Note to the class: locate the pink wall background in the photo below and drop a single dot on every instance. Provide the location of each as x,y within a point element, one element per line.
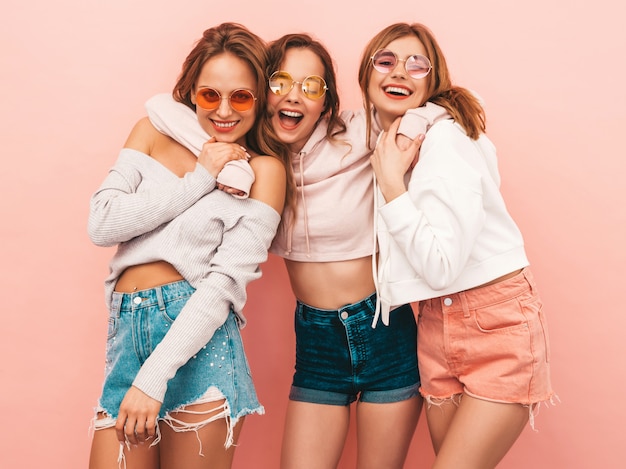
<point>74,77</point>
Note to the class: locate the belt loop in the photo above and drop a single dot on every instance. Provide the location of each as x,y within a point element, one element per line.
<point>370,302</point>
<point>300,310</point>
<point>529,278</point>
<point>465,304</point>
<point>159,294</point>
<point>116,302</point>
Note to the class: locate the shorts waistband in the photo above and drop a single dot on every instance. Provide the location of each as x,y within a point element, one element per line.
<point>367,304</point>
<point>159,295</point>
<point>490,294</point>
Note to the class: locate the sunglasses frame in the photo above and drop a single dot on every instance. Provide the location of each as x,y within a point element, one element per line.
<point>421,75</point>
<point>301,83</point>
<point>230,103</point>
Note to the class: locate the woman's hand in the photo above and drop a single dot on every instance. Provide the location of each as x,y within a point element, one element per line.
<point>231,190</point>
<point>215,155</point>
<point>137,418</point>
<point>393,157</point>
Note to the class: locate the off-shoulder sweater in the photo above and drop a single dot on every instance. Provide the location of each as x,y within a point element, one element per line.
<point>215,241</point>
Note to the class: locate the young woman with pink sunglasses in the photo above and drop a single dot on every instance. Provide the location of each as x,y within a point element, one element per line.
<point>448,241</point>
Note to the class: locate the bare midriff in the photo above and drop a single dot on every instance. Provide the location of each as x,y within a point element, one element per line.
<point>331,285</point>
<point>499,279</point>
<point>145,276</point>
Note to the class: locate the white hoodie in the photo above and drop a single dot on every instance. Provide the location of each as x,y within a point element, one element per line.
<point>451,231</point>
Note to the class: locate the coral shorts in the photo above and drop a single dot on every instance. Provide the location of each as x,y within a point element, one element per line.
<point>489,342</point>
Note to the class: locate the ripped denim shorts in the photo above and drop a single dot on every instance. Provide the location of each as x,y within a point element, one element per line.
<point>137,326</point>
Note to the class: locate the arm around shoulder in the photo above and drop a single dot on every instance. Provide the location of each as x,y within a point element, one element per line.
<point>271,181</point>
<point>176,120</point>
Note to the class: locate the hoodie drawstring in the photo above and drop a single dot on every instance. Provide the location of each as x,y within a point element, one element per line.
<point>304,211</point>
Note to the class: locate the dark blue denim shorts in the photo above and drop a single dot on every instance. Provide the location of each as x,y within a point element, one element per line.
<point>340,357</point>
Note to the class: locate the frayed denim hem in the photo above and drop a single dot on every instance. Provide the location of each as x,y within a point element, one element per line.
<point>533,408</point>
<point>177,425</point>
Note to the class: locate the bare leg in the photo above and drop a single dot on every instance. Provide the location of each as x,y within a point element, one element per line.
<point>314,435</point>
<point>105,451</point>
<point>439,417</point>
<point>384,432</point>
<point>182,448</point>
<point>479,433</point>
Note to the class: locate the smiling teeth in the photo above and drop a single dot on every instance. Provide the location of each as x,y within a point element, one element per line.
<point>291,114</point>
<point>393,89</point>
<point>224,125</point>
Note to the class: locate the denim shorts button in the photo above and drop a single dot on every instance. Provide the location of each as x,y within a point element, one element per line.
<point>344,315</point>
<point>136,300</point>
<point>447,301</point>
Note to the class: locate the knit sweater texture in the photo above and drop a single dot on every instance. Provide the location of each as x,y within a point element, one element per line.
<point>215,241</point>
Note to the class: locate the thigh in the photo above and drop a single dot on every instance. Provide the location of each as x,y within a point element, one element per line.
<point>439,416</point>
<point>314,435</point>
<point>185,444</point>
<point>480,433</point>
<point>105,453</point>
<point>376,423</point>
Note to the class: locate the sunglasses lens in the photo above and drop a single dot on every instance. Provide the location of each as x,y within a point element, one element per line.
<point>384,61</point>
<point>314,87</point>
<point>241,100</point>
<point>208,98</point>
<point>418,66</point>
<point>280,83</point>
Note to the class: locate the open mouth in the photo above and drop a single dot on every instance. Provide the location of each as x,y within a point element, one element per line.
<point>290,119</point>
<point>397,91</point>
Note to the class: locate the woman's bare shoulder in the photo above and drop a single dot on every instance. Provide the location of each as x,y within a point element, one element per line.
<point>270,181</point>
<point>143,136</point>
